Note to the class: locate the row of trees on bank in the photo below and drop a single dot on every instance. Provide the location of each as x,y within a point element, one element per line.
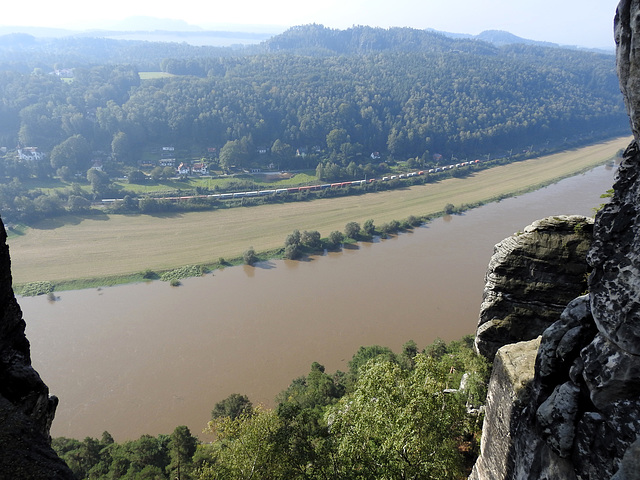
<point>406,415</point>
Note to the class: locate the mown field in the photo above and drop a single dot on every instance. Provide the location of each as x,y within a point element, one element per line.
<point>75,247</point>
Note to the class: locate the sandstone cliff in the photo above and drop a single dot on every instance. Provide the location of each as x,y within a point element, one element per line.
<point>575,413</point>
<point>531,277</point>
<point>26,409</point>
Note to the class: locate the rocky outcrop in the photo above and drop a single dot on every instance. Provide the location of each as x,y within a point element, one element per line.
<point>531,277</point>
<point>582,415</point>
<point>26,409</point>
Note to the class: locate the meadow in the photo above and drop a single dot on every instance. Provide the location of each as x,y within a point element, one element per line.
<point>113,246</point>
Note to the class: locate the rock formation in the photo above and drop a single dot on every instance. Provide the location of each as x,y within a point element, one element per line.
<point>530,279</point>
<point>576,414</point>
<point>26,409</point>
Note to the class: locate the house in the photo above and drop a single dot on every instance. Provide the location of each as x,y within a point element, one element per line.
<point>168,149</point>
<point>199,168</point>
<point>183,169</point>
<point>97,165</point>
<point>375,155</point>
<point>30,153</point>
<point>301,152</point>
<point>64,72</point>
<point>262,150</point>
<point>167,162</point>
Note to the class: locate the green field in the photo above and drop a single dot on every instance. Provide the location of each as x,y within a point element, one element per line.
<point>73,247</point>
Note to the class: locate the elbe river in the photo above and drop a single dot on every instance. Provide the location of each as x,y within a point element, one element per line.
<point>145,358</point>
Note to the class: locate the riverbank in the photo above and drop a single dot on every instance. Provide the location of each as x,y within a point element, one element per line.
<point>108,250</point>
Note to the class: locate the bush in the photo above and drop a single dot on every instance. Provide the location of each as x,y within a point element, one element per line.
<point>291,252</point>
<point>293,238</point>
<point>311,239</point>
<point>36,288</point>
<point>249,256</point>
<point>352,230</point>
<point>182,272</point>
<point>368,228</point>
<point>413,221</point>
<point>149,274</point>
<point>335,238</point>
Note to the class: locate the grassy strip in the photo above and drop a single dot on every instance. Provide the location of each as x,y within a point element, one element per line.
<point>121,245</point>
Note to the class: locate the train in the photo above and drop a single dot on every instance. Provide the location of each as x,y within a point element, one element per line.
<point>306,188</point>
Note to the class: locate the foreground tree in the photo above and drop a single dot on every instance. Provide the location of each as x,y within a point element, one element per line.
<point>232,406</point>
<point>399,423</point>
<point>246,448</point>
<point>182,447</point>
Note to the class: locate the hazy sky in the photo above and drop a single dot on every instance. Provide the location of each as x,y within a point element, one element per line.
<point>574,22</point>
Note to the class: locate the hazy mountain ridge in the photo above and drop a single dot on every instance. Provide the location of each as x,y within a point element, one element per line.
<point>161,29</point>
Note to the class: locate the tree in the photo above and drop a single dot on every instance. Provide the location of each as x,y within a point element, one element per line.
<point>136,176</point>
<point>399,423</point>
<point>157,173</point>
<point>336,238</point>
<point>235,153</point>
<point>73,153</point>
<point>311,239</point>
<point>99,181</point>
<point>78,204</point>
<point>352,230</point>
<point>335,139</point>
<point>293,238</point>
<point>368,228</point>
<point>232,406</point>
<point>121,147</point>
<point>182,447</point>
<point>292,251</point>
<point>64,173</point>
<point>364,354</point>
<point>247,447</point>
<point>282,152</point>
<point>249,256</point>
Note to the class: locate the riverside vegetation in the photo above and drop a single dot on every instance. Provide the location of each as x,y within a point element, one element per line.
<point>407,415</point>
<point>263,226</point>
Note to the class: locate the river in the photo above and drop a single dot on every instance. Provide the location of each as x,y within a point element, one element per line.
<point>145,358</point>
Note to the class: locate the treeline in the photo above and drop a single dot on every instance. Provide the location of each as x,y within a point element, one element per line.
<point>453,101</point>
<point>407,415</point>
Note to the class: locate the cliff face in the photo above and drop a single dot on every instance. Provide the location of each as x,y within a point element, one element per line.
<point>530,279</point>
<point>26,409</point>
<point>577,411</point>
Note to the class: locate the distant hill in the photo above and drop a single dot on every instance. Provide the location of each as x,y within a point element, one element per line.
<point>318,39</point>
<point>501,38</point>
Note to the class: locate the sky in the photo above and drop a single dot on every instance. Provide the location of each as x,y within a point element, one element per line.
<point>586,23</point>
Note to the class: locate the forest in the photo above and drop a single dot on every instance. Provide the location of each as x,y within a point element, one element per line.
<point>310,97</point>
<point>409,415</point>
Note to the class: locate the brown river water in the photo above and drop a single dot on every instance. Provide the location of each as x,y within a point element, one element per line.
<point>145,358</point>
